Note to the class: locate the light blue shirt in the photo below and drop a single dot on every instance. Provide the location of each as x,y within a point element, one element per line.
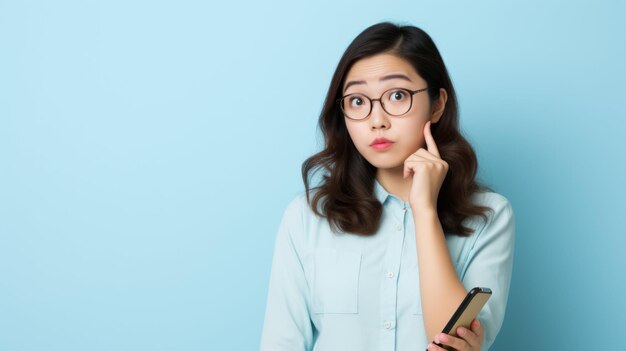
<point>331,292</point>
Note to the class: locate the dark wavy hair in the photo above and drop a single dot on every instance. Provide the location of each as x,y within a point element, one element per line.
<point>345,195</point>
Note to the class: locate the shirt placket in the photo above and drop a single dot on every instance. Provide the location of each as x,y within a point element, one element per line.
<point>395,227</point>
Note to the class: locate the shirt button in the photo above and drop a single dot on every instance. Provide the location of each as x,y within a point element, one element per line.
<point>389,274</point>
<point>387,325</point>
<point>398,227</point>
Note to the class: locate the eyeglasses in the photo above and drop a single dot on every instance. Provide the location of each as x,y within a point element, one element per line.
<point>395,101</point>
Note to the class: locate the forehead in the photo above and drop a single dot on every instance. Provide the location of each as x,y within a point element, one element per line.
<point>370,69</point>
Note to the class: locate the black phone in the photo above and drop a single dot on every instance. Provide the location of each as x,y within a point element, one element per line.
<point>467,311</point>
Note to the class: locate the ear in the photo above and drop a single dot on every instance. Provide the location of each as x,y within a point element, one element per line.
<point>439,106</point>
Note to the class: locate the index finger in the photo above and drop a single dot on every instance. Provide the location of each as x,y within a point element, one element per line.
<point>477,327</point>
<point>431,146</point>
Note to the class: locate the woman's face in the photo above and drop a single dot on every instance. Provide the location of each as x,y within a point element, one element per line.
<point>372,76</point>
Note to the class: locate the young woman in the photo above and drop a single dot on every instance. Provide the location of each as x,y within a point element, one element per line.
<point>381,252</point>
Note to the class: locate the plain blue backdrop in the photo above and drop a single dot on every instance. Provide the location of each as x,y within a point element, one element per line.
<point>148,150</point>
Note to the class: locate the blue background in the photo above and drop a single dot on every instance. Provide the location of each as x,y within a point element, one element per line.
<point>148,150</point>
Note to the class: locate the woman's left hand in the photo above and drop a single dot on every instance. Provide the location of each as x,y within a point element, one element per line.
<point>467,340</point>
<point>428,170</point>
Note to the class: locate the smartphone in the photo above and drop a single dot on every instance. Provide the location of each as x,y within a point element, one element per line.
<point>467,311</point>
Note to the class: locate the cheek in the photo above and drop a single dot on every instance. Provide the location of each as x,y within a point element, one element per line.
<point>355,133</point>
<point>359,134</point>
<point>413,134</point>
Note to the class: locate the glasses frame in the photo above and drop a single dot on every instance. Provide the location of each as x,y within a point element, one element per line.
<point>412,92</point>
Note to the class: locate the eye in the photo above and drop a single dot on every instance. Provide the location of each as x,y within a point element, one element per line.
<point>397,95</point>
<point>356,101</point>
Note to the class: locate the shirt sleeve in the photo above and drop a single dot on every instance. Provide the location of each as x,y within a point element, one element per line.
<point>287,324</point>
<point>490,263</point>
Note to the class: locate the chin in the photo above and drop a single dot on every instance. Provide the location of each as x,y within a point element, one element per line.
<point>385,164</point>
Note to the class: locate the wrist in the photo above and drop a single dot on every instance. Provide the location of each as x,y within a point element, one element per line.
<point>427,208</point>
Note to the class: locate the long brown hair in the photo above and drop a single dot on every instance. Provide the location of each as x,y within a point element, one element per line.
<point>345,195</point>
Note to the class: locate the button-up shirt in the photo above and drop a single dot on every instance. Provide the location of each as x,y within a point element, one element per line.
<point>332,291</point>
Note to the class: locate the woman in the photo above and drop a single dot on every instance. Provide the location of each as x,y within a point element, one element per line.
<point>380,254</point>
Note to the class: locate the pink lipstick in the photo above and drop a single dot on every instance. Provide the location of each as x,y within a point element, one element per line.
<point>381,144</point>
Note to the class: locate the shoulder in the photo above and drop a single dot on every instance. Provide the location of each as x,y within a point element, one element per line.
<point>499,213</point>
<point>500,217</point>
<point>297,206</point>
<point>493,200</point>
<point>298,212</point>
<point>300,226</point>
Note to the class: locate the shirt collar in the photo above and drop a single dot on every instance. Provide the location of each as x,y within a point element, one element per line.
<point>382,195</point>
<point>380,192</point>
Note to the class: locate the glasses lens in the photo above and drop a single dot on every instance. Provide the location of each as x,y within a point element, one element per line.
<point>355,106</point>
<point>397,101</point>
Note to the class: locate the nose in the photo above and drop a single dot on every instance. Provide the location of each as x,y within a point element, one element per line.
<point>378,118</point>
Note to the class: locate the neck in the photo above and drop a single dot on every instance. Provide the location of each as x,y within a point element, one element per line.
<point>392,180</point>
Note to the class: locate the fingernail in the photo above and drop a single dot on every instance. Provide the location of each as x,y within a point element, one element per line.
<point>461,331</point>
<point>442,339</point>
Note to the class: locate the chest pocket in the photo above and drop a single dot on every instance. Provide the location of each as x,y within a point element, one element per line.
<point>335,285</point>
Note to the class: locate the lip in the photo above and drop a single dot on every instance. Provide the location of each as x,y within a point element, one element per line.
<point>381,144</point>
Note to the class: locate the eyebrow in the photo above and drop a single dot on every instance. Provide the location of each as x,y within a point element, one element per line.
<point>384,78</point>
